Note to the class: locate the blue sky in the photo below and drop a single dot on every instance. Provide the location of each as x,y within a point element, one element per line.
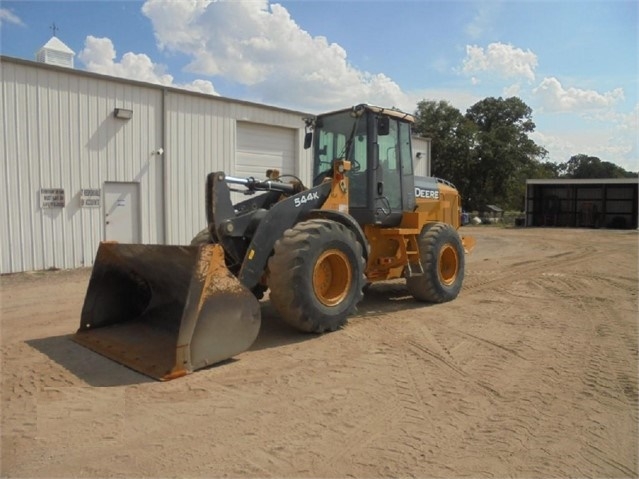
<point>574,62</point>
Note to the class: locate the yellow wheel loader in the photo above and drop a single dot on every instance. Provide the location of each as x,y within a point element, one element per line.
<point>166,311</point>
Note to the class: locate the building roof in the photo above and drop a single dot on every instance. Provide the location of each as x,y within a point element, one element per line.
<point>57,45</point>
<point>155,86</point>
<point>582,181</point>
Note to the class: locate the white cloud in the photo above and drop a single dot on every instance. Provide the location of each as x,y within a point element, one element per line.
<point>552,96</point>
<point>501,59</point>
<point>483,20</point>
<point>99,56</point>
<point>261,47</point>
<point>605,144</point>
<point>610,136</point>
<point>627,130</point>
<point>630,122</point>
<point>512,90</point>
<point>7,16</point>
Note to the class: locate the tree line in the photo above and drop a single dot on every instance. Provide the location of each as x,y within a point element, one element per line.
<point>488,154</point>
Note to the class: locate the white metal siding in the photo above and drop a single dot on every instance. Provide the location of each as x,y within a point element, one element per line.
<point>58,131</point>
<point>202,136</point>
<point>199,140</point>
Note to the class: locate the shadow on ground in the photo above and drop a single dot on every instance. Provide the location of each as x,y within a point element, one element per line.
<point>87,365</point>
<point>99,371</point>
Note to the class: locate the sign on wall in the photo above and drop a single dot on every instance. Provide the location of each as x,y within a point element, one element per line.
<point>52,198</point>
<point>90,198</point>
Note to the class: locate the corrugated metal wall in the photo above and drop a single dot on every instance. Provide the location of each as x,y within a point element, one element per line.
<point>58,131</point>
<point>201,137</point>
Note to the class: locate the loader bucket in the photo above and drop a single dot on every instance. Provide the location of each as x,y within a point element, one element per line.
<point>166,311</point>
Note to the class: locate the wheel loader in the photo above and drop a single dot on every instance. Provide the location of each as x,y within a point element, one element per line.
<point>166,311</point>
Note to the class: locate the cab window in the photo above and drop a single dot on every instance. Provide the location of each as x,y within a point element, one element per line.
<point>389,161</point>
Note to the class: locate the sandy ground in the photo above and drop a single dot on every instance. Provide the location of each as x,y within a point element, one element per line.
<point>531,372</point>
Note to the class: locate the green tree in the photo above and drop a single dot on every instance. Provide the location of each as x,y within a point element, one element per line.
<point>504,155</point>
<point>585,166</point>
<point>451,137</point>
<point>486,153</point>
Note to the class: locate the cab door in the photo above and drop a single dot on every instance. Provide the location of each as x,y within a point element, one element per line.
<point>393,190</point>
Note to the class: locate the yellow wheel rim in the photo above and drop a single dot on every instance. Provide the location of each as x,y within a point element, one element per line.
<point>448,264</point>
<point>332,277</point>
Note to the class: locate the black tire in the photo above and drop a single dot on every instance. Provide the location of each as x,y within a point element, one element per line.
<point>203,237</point>
<point>442,259</point>
<point>316,275</point>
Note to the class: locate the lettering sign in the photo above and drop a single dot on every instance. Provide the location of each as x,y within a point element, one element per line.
<point>90,198</point>
<point>423,193</point>
<point>52,198</point>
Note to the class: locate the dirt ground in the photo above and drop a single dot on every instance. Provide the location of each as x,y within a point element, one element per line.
<point>531,372</point>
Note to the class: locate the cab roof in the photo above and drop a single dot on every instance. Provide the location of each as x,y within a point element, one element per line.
<point>359,109</point>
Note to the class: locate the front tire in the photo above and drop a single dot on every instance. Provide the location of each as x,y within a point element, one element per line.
<point>442,260</point>
<point>316,275</point>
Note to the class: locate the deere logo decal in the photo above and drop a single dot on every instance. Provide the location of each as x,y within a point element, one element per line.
<point>421,193</point>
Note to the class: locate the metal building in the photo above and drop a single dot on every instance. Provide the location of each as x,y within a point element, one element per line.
<point>593,203</point>
<point>89,157</point>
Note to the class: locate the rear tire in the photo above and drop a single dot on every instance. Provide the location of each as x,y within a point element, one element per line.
<point>316,275</point>
<point>442,259</point>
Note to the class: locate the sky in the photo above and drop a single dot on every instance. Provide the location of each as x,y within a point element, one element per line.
<point>573,62</point>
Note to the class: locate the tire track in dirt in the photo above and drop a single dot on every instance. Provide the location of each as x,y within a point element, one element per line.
<point>523,413</point>
<point>527,374</point>
<point>503,424</point>
<point>330,395</point>
<point>430,389</point>
<point>606,384</point>
<point>353,441</point>
<point>414,401</point>
<point>473,398</point>
<point>24,377</point>
<point>607,364</point>
<point>477,282</point>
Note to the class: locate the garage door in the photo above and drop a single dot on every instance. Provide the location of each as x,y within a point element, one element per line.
<point>262,147</point>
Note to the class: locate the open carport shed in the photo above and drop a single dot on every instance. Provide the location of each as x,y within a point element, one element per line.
<point>593,203</point>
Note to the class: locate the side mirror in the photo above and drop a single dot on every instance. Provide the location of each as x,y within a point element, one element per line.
<point>383,126</point>
<point>308,140</point>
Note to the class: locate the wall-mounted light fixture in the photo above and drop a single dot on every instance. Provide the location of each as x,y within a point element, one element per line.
<point>123,113</point>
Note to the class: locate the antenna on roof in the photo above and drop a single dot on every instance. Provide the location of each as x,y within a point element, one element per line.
<point>54,28</point>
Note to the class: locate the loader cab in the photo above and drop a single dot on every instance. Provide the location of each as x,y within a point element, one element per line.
<point>377,142</point>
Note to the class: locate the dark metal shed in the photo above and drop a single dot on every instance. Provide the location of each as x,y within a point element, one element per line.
<point>594,203</point>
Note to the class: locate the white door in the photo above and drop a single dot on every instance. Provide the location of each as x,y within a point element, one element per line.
<point>122,212</point>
